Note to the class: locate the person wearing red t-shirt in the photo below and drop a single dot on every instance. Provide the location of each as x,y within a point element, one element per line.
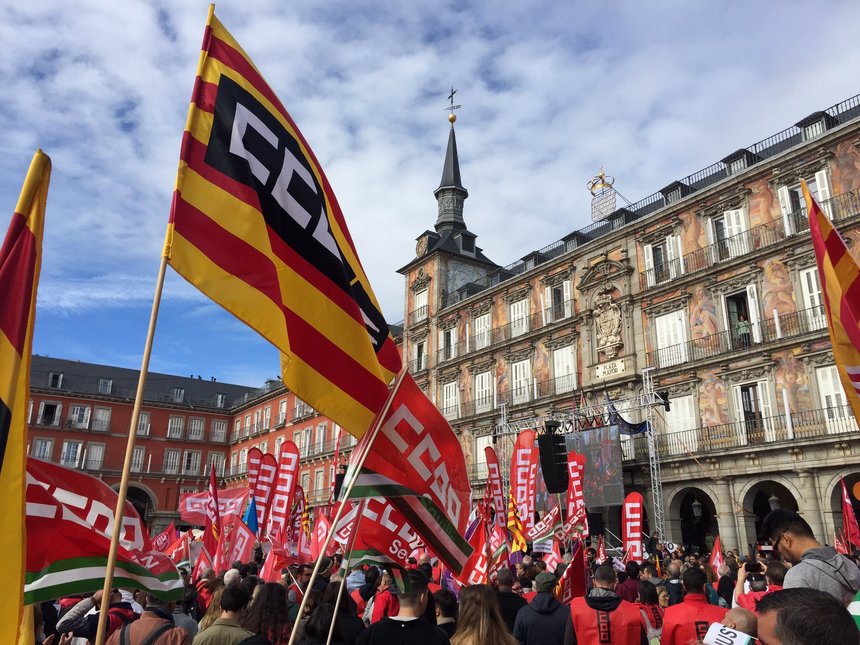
<point>689,620</point>
<point>760,584</point>
<point>528,588</point>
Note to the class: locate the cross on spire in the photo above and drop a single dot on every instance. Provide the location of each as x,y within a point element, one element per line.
<point>452,117</point>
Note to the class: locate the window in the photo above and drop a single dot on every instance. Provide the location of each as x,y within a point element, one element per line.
<point>813,304</point>
<point>737,165</point>
<point>95,456</point>
<point>79,417</point>
<point>320,438</point>
<point>174,427</point>
<point>558,303</point>
<point>306,480</point>
<point>105,385</point>
<point>243,460</point>
<point>137,458</point>
<point>219,431</point>
<point>753,413</point>
<point>42,449</point>
<point>306,441</point>
<point>55,380</point>
<point>519,317</point>
<point>282,412</point>
<point>447,344</point>
<point>837,413</point>
<point>71,454</point>
<point>521,379</point>
<point>278,443</point>
<point>195,428</point>
<point>234,463</point>
<point>319,480</point>
<point>101,420</point>
<point>482,331</point>
<point>420,311</point>
<point>670,338</point>
<point>177,395</point>
<point>481,444</point>
<point>663,260</point>
<point>215,459</point>
<point>258,414</point>
<point>419,357</point>
<point>49,414</point>
<point>143,424</point>
<point>484,391</point>
<point>813,130</point>
<point>171,462</point>
<point>742,317</point>
<point>247,429</point>
<point>793,205</point>
<point>220,400</point>
<point>267,418</point>
<point>451,400</point>
<point>681,434</point>
<point>729,235</point>
<point>191,463</point>
<point>564,369</point>
<point>264,447</point>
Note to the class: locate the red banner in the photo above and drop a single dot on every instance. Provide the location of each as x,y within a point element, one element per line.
<point>850,529</point>
<point>320,532</point>
<point>237,542</point>
<point>383,536</point>
<point>546,526</point>
<point>572,583</point>
<point>476,569</point>
<point>203,562</point>
<point>212,530</point>
<point>180,550</point>
<point>265,487</point>
<point>417,462</point>
<point>192,506</point>
<point>255,456</point>
<point>716,560</point>
<point>294,530</point>
<point>285,489</point>
<point>553,558</point>
<point>69,522</point>
<point>631,526</point>
<point>164,539</point>
<point>496,492</point>
<point>575,498</point>
<point>524,477</point>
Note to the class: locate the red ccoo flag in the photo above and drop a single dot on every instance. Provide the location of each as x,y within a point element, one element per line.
<point>212,533</point>
<point>850,529</point>
<point>840,286</point>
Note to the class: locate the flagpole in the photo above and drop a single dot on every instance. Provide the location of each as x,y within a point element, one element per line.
<point>348,486</point>
<point>129,452</point>
<point>343,584</point>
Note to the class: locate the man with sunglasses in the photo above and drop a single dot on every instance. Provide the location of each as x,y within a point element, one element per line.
<point>814,566</point>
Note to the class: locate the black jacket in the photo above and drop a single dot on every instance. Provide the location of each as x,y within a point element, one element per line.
<point>389,631</point>
<point>509,605</point>
<point>544,621</point>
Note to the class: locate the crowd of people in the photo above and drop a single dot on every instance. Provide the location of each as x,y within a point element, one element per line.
<point>798,595</point>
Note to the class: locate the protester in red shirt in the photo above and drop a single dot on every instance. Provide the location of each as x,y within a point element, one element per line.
<point>761,584</point>
<point>689,620</point>
<point>629,589</point>
<point>528,588</point>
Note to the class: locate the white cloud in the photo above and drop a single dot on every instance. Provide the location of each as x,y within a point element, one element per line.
<point>651,91</point>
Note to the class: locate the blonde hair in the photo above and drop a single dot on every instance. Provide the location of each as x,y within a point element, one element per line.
<point>480,621</point>
<point>213,611</point>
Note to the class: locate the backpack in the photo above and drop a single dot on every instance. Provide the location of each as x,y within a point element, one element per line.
<point>154,635</point>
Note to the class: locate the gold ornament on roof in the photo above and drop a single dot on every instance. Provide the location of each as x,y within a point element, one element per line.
<point>603,196</point>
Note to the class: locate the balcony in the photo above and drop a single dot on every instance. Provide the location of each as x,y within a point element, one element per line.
<point>282,420</point>
<point>417,315</point>
<point>302,411</point>
<point>418,365</point>
<point>839,208</point>
<point>768,331</point>
<point>755,431</point>
<point>101,425</point>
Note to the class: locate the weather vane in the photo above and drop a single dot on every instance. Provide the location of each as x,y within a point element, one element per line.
<point>452,117</point>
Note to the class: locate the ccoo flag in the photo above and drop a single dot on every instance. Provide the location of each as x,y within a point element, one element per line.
<point>20,259</point>
<point>840,286</point>
<point>256,226</point>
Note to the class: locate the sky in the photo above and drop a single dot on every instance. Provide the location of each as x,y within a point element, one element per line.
<point>550,93</point>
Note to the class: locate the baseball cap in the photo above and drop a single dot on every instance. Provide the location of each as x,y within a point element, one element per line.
<point>545,582</point>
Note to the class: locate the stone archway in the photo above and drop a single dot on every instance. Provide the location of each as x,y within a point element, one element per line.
<point>143,500</point>
<point>759,499</point>
<point>833,507</point>
<point>691,518</point>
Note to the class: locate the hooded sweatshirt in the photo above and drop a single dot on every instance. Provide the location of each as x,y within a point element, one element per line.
<point>543,621</point>
<point>824,569</point>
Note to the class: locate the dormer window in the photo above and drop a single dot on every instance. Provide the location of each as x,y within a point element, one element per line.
<point>55,380</point>
<point>675,192</point>
<point>177,394</point>
<point>467,243</point>
<point>740,160</point>
<point>815,125</point>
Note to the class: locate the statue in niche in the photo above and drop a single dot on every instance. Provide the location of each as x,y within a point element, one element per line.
<point>607,320</point>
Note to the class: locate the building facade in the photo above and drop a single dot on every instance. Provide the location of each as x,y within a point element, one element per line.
<point>711,285</point>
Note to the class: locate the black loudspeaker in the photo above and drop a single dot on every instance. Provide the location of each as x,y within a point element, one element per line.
<point>338,484</point>
<point>553,462</point>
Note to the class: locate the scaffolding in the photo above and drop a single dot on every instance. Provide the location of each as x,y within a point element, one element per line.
<point>646,402</point>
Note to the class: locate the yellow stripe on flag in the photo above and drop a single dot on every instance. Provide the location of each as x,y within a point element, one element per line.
<point>20,260</point>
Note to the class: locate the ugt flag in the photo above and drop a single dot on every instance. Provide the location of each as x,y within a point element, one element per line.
<point>256,226</point>
<point>20,260</point>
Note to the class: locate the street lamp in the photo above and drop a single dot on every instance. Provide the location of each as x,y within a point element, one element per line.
<point>697,509</point>
<point>774,502</point>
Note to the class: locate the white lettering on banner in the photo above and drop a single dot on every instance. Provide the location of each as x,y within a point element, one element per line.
<point>265,483</point>
<point>478,574</point>
<point>633,529</point>
<point>496,489</point>
<point>525,472</point>
<point>435,471</point>
<point>88,513</point>
<point>279,511</point>
<point>382,516</point>
<point>545,525</point>
<point>719,634</point>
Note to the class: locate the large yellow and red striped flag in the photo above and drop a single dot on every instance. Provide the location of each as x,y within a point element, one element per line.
<point>840,286</point>
<point>20,259</point>
<point>515,526</point>
<point>256,227</point>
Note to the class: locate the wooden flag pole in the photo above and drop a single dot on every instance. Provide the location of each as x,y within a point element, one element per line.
<point>343,584</point>
<point>129,452</point>
<point>362,457</point>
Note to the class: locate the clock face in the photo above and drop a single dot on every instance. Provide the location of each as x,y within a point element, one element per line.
<point>421,247</point>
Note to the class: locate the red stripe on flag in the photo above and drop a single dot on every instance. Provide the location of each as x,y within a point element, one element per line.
<point>195,156</point>
<point>235,256</point>
<point>204,94</point>
<point>834,246</point>
<point>17,270</point>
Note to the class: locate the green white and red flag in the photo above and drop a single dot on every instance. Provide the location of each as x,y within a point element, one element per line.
<point>417,462</point>
<point>380,535</point>
<point>70,517</point>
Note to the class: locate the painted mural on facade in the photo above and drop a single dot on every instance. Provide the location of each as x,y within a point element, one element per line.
<point>713,399</point>
<point>790,374</point>
<point>703,313</point>
<point>777,290</point>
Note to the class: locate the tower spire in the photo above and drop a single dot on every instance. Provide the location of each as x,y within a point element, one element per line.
<point>451,193</point>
